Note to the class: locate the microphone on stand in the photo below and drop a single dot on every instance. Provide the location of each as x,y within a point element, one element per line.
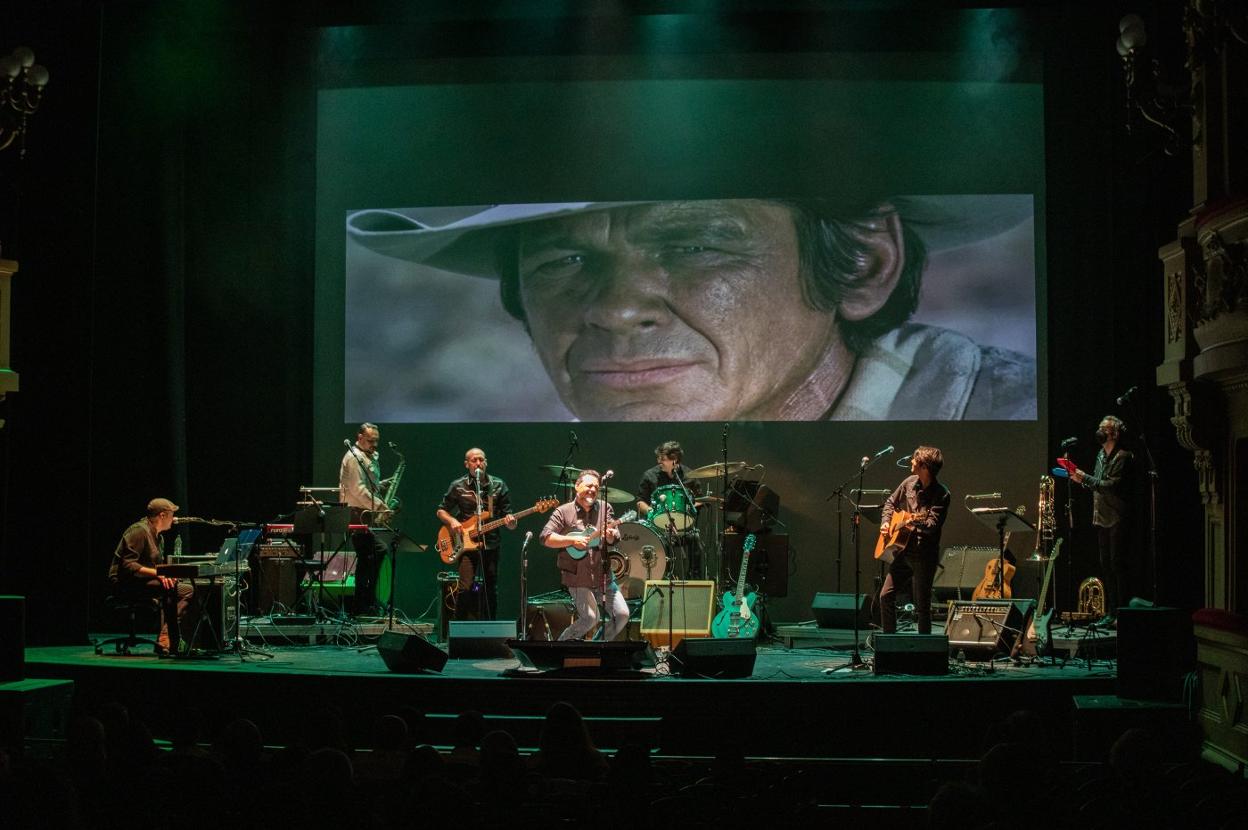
<point>392,445</point>
<point>346,442</point>
<point>608,474</point>
<point>187,520</point>
<point>528,537</point>
<point>867,459</point>
<point>982,496</point>
<point>572,438</point>
<point>1125,396</point>
<point>1069,442</point>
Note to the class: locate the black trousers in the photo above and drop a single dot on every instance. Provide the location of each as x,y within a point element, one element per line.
<point>915,570</point>
<point>478,600</point>
<point>1115,567</point>
<point>175,602</point>
<point>369,553</point>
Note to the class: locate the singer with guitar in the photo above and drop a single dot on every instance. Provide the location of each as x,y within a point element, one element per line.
<point>926,501</point>
<point>477,494</point>
<point>578,530</point>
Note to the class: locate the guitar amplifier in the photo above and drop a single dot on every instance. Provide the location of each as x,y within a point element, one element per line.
<point>988,626</point>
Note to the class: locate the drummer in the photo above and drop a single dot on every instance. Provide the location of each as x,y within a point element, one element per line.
<point>667,473</point>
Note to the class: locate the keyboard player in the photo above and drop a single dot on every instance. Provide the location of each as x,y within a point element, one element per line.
<point>133,574</point>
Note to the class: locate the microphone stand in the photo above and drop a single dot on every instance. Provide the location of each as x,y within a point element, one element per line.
<point>691,533</point>
<point>856,663</point>
<point>1070,543</point>
<point>524,586</point>
<point>483,596</point>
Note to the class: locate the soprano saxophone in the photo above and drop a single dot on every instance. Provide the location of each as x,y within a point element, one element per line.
<point>391,498</point>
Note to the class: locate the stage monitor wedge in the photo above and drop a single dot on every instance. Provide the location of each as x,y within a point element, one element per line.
<point>409,653</point>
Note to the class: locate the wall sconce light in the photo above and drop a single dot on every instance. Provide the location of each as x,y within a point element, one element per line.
<point>21,90</point>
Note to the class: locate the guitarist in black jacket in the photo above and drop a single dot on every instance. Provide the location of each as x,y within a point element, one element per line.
<point>458,505</point>
<point>927,501</point>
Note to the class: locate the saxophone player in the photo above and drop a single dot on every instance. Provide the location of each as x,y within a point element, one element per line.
<point>360,487</point>
<point>476,494</point>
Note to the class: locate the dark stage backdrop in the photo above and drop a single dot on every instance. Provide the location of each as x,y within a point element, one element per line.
<point>178,318</point>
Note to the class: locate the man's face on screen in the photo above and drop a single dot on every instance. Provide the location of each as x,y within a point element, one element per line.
<point>674,311</point>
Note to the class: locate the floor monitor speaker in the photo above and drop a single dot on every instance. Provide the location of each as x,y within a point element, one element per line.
<point>926,654</point>
<point>837,610</point>
<point>409,653</point>
<point>716,658</point>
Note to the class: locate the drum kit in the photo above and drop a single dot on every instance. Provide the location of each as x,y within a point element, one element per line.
<point>668,536</point>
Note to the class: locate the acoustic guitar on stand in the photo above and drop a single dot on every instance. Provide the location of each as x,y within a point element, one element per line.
<point>451,546</point>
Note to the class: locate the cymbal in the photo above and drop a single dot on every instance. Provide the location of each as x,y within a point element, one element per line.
<point>712,470</point>
<point>709,501</point>
<point>614,495</point>
<point>557,469</point>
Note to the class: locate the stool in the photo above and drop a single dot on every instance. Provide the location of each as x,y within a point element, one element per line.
<point>131,607</point>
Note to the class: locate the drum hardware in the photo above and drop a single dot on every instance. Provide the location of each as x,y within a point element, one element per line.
<point>559,469</point>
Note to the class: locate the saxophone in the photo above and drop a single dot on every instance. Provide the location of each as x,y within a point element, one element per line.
<point>391,497</point>
<point>1046,521</point>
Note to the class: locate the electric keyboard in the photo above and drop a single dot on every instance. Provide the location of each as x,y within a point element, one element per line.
<point>288,529</point>
<point>199,570</point>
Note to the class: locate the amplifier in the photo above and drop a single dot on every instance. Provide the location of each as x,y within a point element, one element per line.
<point>987,626</point>
<point>279,550</point>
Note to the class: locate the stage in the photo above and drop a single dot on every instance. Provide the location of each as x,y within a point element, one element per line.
<point>797,702</point>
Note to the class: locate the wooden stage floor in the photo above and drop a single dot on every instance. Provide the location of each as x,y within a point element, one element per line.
<point>791,706</point>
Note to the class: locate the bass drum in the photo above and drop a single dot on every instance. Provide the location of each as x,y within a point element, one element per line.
<point>638,556</point>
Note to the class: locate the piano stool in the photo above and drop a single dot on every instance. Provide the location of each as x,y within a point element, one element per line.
<point>131,607</point>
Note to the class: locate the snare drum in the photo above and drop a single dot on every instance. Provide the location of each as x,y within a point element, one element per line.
<point>670,504</point>
<point>638,556</point>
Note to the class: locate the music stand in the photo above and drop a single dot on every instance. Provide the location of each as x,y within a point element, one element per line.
<point>320,519</point>
<point>1003,520</point>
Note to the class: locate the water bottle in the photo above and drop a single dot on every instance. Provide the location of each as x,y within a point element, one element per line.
<point>177,547</point>
<point>961,657</point>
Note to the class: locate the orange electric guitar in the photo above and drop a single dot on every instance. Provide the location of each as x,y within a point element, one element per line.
<point>451,546</point>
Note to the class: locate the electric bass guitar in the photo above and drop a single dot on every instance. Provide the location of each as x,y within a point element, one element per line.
<point>737,619</point>
<point>1041,624</point>
<point>451,546</point>
<point>594,536</point>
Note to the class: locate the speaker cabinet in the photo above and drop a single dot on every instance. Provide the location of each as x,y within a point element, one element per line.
<point>715,658</point>
<point>926,654</point>
<point>987,626</point>
<point>684,606</point>
<point>409,653</point>
<point>13,643</point>
<point>962,567</point>
<point>1156,649</point>
<point>837,610</point>
<point>277,584</point>
<point>480,638</point>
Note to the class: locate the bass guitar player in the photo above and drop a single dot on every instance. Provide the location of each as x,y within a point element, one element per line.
<point>916,552</point>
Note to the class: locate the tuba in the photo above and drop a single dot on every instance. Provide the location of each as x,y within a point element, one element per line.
<point>1092,598</point>
<point>1046,521</point>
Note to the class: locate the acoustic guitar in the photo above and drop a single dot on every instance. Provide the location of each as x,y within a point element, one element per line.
<point>451,546</point>
<point>594,535</point>
<point>899,535</point>
<point>737,619</point>
<point>996,581</point>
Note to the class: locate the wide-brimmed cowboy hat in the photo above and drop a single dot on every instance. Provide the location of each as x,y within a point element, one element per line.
<point>461,239</point>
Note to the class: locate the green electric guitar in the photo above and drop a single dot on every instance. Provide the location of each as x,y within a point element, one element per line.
<point>738,619</point>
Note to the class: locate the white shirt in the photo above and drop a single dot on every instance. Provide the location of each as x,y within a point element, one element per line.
<point>354,489</point>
